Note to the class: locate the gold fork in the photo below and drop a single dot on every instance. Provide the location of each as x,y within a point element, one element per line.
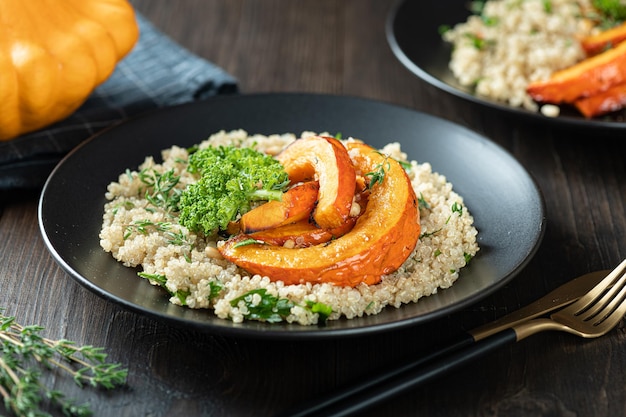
<point>592,315</point>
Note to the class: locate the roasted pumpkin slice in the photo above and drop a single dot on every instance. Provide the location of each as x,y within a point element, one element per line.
<point>326,160</point>
<point>381,240</point>
<point>587,78</point>
<point>302,234</point>
<point>604,40</point>
<point>296,204</point>
<point>608,101</point>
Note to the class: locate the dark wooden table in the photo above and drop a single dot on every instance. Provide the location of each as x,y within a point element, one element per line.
<point>339,47</point>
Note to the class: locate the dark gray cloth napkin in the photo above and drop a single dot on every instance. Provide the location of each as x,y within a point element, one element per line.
<point>157,73</point>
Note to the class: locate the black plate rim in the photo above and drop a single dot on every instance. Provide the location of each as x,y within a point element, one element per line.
<point>294,331</point>
<point>400,54</point>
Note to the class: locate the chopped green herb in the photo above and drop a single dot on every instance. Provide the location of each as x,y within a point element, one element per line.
<point>442,29</point>
<point>378,175</point>
<point>477,6</point>
<point>478,42</point>
<point>143,226</point>
<point>467,257</point>
<point>323,310</point>
<point>125,205</point>
<point>429,234</point>
<point>247,242</point>
<point>422,203</point>
<point>490,21</point>
<point>161,280</point>
<point>214,289</point>
<point>455,208</point>
<point>547,6</point>
<point>405,164</point>
<point>179,238</point>
<point>162,191</point>
<point>264,306</point>
<point>182,296</point>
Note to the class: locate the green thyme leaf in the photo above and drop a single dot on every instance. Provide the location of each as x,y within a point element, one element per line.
<point>378,175</point>
<point>26,355</point>
<point>161,188</point>
<point>215,288</point>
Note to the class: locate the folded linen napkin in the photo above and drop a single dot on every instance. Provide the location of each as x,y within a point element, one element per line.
<point>157,73</point>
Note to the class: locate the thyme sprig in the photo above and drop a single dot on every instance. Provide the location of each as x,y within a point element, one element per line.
<point>162,191</point>
<point>179,238</point>
<point>377,176</point>
<point>26,355</point>
<point>144,226</point>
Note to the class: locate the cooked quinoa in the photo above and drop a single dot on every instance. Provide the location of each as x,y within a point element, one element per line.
<point>515,42</point>
<point>137,233</point>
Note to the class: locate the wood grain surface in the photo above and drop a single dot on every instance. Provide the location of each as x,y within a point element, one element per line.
<point>339,47</point>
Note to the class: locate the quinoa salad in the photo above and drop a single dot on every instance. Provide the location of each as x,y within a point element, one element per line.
<point>141,234</point>
<point>513,43</point>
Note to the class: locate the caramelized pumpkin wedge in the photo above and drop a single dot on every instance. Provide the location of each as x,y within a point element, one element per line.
<point>608,101</point>
<point>302,234</point>
<point>326,160</point>
<point>587,78</point>
<point>600,42</point>
<point>381,240</point>
<point>296,204</point>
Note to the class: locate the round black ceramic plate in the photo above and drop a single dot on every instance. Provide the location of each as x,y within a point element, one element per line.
<point>506,204</point>
<point>413,34</point>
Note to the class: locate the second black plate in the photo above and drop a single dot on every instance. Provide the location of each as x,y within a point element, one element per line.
<point>413,35</point>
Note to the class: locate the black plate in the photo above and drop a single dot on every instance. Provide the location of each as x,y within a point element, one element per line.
<point>505,201</point>
<point>413,34</point>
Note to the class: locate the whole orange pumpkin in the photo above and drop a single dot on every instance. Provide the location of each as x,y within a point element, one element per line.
<point>54,53</point>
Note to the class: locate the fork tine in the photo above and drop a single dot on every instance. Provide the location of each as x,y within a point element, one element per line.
<point>594,300</point>
<point>615,310</point>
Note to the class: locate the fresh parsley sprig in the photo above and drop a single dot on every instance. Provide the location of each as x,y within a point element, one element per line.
<point>26,355</point>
